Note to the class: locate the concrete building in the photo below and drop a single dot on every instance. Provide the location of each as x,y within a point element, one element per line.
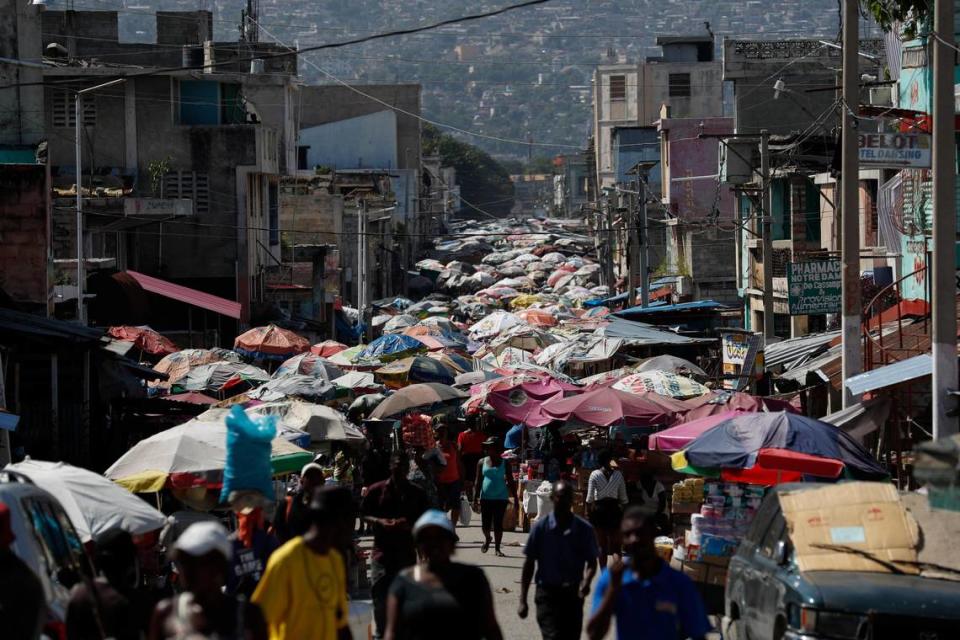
<point>154,148</point>
<point>685,76</point>
<point>571,182</point>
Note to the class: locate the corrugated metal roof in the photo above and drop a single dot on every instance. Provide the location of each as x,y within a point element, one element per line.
<point>791,351</point>
<point>190,296</point>
<point>700,305</point>
<point>903,371</point>
<point>639,333</point>
<point>17,323</point>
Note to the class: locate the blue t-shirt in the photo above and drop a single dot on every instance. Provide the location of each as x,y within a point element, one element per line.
<point>665,607</point>
<point>561,554</point>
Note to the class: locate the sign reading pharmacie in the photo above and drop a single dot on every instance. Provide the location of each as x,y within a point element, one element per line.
<point>895,150</point>
<point>814,287</point>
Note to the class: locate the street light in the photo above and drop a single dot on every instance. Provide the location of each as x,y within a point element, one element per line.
<point>78,124</point>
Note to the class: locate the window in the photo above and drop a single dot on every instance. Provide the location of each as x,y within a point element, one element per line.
<point>190,185</point>
<point>914,57</point>
<point>618,88</point>
<point>273,209</point>
<point>679,85</point>
<point>64,114</point>
<point>205,102</point>
<point>773,535</point>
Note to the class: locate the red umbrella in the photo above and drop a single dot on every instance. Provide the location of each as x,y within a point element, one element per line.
<point>776,466</point>
<point>145,338</point>
<point>270,342</point>
<point>327,348</point>
<point>604,406</point>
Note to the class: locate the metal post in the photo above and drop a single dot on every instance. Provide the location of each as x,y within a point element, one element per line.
<point>362,261</point>
<point>766,226</point>
<point>78,115</point>
<point>644,246</point>
<point>611,277</point>
<point>850,205</point>
<point>634,250</point>
<point>944,224</point>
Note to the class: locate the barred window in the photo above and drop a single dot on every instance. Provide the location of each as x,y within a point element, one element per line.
<point>64,114</point>
<point>190,185</point>
<point>618,88</point>
<point>679,85</point>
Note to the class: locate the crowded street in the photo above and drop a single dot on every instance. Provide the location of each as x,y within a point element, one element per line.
<point>568,320</point>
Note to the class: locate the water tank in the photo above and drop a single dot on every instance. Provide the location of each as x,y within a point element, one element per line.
<point>737,161</point>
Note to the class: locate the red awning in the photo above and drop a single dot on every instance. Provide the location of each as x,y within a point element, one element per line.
<point>187,295</point>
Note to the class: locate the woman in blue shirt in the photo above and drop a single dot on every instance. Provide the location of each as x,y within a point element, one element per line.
<point>495,480</point>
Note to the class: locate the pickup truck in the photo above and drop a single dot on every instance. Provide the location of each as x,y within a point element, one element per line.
<point>768,598</point>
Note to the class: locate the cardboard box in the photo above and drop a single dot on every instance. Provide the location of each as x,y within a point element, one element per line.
<point>696,571</point>
<point>716,575</point>
<point>715,561</point>
<point>853,526</point>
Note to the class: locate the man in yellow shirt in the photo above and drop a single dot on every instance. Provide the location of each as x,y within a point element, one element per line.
<point>303,592</point>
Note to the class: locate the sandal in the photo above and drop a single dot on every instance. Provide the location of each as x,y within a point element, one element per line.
<point>500,554</point>
<point>485,547</point>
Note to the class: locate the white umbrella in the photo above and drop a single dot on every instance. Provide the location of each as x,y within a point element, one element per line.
<point>396,324</point>
<point>94,504</point>
<point>494,324</point>
<point>323,423</point>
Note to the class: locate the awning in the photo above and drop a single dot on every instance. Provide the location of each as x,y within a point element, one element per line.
<point>902,371</point>
<point>187,295</point>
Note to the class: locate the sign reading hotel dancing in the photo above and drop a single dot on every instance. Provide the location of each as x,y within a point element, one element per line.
<point>814,287</point>
<point>895,150</point>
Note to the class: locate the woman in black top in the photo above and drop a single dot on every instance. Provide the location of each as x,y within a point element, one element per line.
<point>437,599</point>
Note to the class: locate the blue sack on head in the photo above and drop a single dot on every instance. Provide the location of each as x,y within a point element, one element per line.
<point>248,454</point>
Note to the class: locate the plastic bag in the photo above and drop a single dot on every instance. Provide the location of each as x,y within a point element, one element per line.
<point>248,454</point>
<point>466,510</point>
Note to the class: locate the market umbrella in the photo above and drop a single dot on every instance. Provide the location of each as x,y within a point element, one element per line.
<point>537,317</point>
<point>357,381</point>
<point>397,324</point>
<point>177,365</point>
<point>518,403</point>
<point>94,504</point>
<point>454,361</point>
<point>145,339</point>
<point>270,342</point>
<point>391,347</point>
<point>327,348</point>
<point>219,376</point>
<point>676,438</point>
<point>606,378</point>
<point>474,377</point>
<point>671,364</point>
<point>511,356</point>
<point>662,382</point>
<point>605,406</point>
<point>736,442</point>
<point>294,385</point>
<point>524,337</point>
<point>308,364</point>
<point>348,357</point>
<point>493,324</point>
<point>720,402</point>
<point>191,397</point>
<point>415,369</point>
<point>364,404</point>
<point>323,423</point>
<point>416,396</point>
<point>192,454</point>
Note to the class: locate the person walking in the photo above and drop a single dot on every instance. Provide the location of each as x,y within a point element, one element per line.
<point>293,517</point>
<point>606,497</point>
<point>105,606</point>
<point>495,480</point>
<point>252,547</point>
<point>563,549</point>
<point>470,444</point>
<point>303,592</point>
<point>437,598</point>
<point>391,507</point>
<point>202,555</point>
<point>649,599</point>
<point>450,477</point>
<point>23,607</point>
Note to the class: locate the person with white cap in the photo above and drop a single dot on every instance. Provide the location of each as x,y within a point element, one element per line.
<point>293,515</point>
<point>303,592</point>
<point>202,555</point>
<point>437,598</point>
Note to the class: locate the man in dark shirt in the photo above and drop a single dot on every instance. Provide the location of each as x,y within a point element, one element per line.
<point>391,506</point>
<point>116,607</point>
<point>374,467</point>
<point>563,549</point>
<point>293,516</point>
<point>22,604</point>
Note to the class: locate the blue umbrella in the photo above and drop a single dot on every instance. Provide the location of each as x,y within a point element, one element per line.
<point>735,442</point>
<point>391,347</point>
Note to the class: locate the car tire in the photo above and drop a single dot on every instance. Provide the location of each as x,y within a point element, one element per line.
<point>732,629</point>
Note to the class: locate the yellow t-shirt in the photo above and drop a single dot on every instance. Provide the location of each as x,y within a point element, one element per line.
<point>303,594</point>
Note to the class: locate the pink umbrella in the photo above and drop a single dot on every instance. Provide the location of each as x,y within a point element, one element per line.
<point>517,403</point>
<point>604,406</point>
<point>676,438</point>
<point>327,348</point>
<point>724,402</point>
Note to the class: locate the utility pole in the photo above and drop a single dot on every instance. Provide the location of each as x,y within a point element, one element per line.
<point>362,262</point>
<point>766,232</point>
<point>634,250</point>
<point>78,128</point>
<point>611,278</point>
<point>944,224</point>
<point>850,201</point>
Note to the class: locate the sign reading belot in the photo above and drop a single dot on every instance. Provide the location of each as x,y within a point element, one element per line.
<point>895,150</point>
<point>814,287</point>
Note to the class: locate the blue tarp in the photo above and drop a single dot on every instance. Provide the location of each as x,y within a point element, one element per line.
<point>735,443</point>
<point>622,297</point>
<point>390,347</point>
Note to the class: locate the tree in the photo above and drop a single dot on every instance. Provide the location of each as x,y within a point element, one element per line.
<point>484,182</point>
<point>911,14</point>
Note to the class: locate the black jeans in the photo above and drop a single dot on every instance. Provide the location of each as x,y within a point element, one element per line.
<point>491,514</point>
<point>559,612</point>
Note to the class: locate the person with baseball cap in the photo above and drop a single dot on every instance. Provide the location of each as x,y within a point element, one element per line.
<point>22,604</point>
<point>202,556</point>
<point>303,592</point>
<point>293,515</point>
<point>438,598</point>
